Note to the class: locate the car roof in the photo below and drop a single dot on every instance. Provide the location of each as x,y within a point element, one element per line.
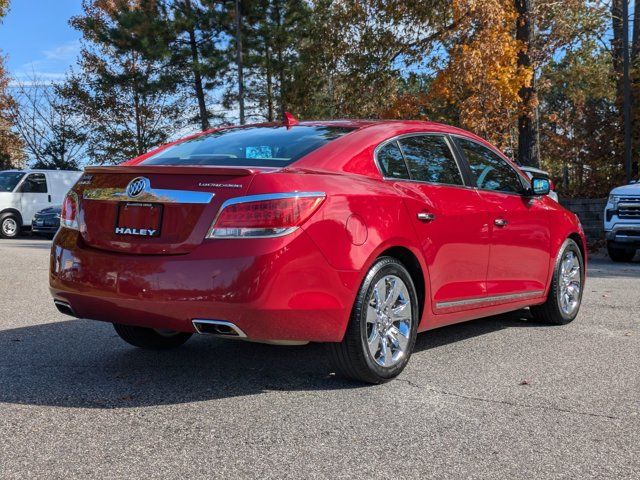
<point>338,155</point>
<point>38,170</point>
<point>352,152</point>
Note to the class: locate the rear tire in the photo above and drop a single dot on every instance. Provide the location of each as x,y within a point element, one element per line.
<point>383,327</point>
<point>620,254</point>
<point>9,225</point>
<point>563,302</point>
<point>149,338</point>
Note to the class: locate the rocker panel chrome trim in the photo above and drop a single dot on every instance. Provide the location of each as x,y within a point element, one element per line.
<point>491,299</point>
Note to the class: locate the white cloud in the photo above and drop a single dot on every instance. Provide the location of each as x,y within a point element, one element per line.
<point>51,66</point>
<point>67,52</point>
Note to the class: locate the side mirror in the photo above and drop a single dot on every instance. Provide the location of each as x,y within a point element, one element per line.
<point>540,186</point>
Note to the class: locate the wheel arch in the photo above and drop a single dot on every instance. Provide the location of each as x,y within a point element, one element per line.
<point>14,212</point>
<point>413,265</point>
<point>575,236</point>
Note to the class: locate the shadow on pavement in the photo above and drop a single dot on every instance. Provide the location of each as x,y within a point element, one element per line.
<point>83,364</point>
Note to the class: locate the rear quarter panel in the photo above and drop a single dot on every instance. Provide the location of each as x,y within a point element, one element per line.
<point>360,218</point>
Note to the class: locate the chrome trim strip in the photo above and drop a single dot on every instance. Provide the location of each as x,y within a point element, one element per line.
<point>230,325</point>
<point>270,196</point>
<point>258,198</point>
<point>157,195</point>
<point>494,298</point>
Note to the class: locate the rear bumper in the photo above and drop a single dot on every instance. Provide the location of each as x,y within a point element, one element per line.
<point>272,289</point>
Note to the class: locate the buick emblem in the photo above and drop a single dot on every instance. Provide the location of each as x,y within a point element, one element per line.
<point>137,186</point>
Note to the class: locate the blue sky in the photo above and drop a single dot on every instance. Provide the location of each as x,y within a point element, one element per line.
<point>36,37</point>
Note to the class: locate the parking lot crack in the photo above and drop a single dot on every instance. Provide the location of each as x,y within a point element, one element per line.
<point>507,402</point>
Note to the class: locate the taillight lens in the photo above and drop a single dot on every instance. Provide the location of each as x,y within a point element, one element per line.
<point>270,215</point>
<point>69,212</point>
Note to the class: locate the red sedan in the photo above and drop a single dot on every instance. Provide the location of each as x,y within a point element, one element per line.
<point>359,234</point>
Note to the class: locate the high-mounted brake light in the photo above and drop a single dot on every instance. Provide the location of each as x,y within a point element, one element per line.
<point>69,211</point>
<point>271,215</point>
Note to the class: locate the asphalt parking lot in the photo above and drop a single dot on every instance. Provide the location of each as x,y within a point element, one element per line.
<point>502,397</point>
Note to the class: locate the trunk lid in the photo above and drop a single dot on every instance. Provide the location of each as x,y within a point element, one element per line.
<point>167,210</point>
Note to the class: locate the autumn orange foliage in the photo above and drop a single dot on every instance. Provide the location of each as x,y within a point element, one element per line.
<point>482,78</point>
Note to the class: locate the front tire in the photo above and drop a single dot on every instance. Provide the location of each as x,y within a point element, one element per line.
<point>9,225</point>
<point>620,254</point>
<point>150,339</point>
<point>565,294</point>
<point>383,327</point>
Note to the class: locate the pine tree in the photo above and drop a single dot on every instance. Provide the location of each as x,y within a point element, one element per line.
<point>197,50</point>
<point>126,89</point>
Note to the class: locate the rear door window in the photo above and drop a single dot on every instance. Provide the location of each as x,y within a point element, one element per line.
<point>34,183</point>
<point>430,159</point>
<point>264,146</point>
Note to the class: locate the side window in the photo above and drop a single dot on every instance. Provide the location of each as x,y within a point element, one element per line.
<point>391,162</point>
<point>430,160</point>
<point>490,171</point>
<point>34,183</point>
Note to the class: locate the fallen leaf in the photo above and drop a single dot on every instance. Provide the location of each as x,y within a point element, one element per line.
<point>525,382</point>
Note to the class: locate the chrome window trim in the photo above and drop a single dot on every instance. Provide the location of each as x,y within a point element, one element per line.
<point>521,175</point>
<point>156,195</point>
<point>259,198</point>
<point>490,299</point>
<point>397,139</point>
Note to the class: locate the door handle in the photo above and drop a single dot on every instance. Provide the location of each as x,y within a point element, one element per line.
<point>49,198</point>
<point>500,222</point>
<point>426,217</point>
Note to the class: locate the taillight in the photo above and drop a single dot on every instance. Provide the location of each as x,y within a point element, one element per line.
<point>69,212</point>
<point>551,185</point>
<point>271,215</point>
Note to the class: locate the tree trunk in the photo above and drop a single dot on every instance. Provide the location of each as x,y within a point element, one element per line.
<point>528,148</point>
<point>270,109</point>
<point>197,76</point>
<point>279,57</point>
<point>635,91</point>
<point>240,62</point>
<point>635,46</point>
<point>617,46</point>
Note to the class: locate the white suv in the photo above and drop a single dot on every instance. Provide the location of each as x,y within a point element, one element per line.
<point>622,222</point>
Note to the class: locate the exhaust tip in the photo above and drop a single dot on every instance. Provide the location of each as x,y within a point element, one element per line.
<point>65,308</point>
<point>218,327</point>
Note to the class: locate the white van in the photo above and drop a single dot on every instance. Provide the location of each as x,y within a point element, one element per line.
<point>25,192</point>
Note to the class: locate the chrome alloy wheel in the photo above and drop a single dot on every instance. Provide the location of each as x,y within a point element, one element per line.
<point>570,283</point>
<point>389,317</point>
<point>9,227</point>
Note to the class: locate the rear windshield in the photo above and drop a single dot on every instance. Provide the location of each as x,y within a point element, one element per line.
<point>251,146</point>
<point>9,180</point>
